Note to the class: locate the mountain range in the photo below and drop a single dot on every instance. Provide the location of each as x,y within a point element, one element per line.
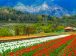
<point>48,7</point>
<point>44,8</point>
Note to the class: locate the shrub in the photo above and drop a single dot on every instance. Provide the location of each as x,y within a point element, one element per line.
<point>5,32</point>
<point>30,30</point>
<point>19,29</point>
<point>46,29</point>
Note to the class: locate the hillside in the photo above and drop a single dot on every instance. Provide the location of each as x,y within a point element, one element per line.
<point>14,16</point>
<point>11,15</point>
<point>14,22</point>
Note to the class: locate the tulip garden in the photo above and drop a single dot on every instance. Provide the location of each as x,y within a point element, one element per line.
<point>63,45</point>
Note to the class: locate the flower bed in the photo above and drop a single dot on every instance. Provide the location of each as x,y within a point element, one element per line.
<point>36,47</point>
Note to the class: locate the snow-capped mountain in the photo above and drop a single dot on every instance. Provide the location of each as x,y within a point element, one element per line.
<point>44,8</point>
<point>32,8</point>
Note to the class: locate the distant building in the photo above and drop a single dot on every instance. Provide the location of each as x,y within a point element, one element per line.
<point>70,29</point>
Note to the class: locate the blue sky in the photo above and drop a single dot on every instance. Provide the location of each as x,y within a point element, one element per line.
<point>67,4</point>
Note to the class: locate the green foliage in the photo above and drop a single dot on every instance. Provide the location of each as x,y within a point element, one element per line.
<point>19,29</point>
<point>30,30</point>
<point>35,23</point>
<point>59,28</point>
<point>22,29</point>
<point>46,29</point>
<point>5,52</point>
<point>40,18</point>
<point>5,32</point>
<point>29,53</point>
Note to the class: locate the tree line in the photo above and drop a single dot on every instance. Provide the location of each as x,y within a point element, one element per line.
<point>38,23</point>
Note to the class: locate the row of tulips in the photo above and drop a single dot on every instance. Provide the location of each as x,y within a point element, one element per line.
<point>35,47</point>
<point>52,50</point>
<point>26,43</point>
<point>69,50</point>
<point>43,48</point>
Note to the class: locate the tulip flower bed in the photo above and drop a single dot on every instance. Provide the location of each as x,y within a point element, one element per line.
<point>69,50</point>
<point>41,47</point>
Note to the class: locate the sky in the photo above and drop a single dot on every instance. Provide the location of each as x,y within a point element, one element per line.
<point>67,4</point>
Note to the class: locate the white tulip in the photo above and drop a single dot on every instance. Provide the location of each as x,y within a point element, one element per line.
<point>16,44</point>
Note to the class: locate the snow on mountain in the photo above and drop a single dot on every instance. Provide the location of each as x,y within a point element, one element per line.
<point>44,8</point>
<point>22,7</point>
